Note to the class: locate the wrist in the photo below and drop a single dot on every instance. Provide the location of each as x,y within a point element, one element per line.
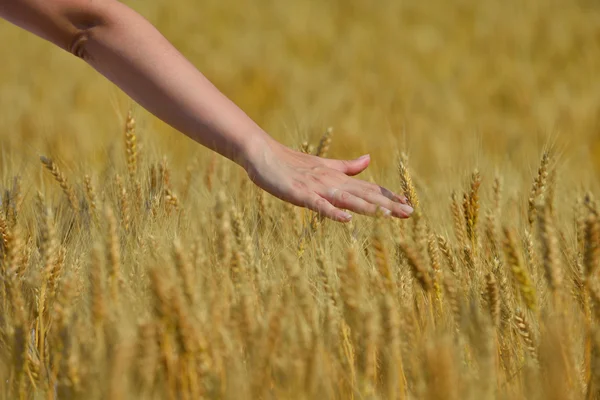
<point>254,148</point>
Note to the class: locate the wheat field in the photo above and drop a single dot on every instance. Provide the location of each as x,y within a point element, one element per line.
<point>137,265</point>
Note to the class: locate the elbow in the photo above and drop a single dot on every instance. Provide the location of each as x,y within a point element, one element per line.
<point>84,29</point>
<point>70,24</point>
<point>78,44</point>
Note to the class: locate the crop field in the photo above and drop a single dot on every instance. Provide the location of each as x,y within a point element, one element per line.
<point>136,264</point>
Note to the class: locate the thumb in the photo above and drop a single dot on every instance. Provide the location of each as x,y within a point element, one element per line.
<point>350,167</point>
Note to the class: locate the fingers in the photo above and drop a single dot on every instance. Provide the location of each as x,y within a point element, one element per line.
<point>378,198</point>
<point>319,204</point>
<point>401,198</point>
<point>342,199</point>
<point>373,187</point>
<point>328,202</point>
<point>348,167</point>
<point>354,167</point>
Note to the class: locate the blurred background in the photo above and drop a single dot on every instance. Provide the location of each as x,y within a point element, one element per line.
<point>455,84</point>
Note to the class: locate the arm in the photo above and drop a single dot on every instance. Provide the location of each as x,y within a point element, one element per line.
<point>129,51</point>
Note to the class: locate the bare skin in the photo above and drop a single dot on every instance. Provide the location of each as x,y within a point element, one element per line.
<point>130,52</point>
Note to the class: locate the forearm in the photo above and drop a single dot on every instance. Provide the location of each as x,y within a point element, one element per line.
<point>129,51</point>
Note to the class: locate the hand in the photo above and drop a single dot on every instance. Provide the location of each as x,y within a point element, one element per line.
<point>320,184</point>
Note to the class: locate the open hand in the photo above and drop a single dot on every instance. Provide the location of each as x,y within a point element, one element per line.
<point>322,185</point>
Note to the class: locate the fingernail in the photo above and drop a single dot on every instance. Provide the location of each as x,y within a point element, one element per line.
<point>364,157</point>
<point>346,216</point>
<point>407,209</point>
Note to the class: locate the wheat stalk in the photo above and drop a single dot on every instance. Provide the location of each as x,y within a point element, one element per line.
<point>324,143</point>
<point>408,189</point>
<point>538,186</point>
<point>131,149</point>
<point>62,181</point>
<point>420,272</point>
<point>519,273</point>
